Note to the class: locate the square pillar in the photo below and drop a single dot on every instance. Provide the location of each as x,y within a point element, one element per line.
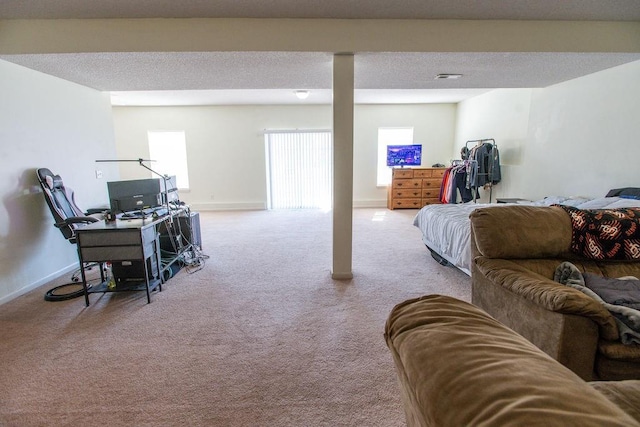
<point>343,86</point>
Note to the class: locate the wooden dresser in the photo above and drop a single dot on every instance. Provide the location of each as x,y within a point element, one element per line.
<point>414,188</point>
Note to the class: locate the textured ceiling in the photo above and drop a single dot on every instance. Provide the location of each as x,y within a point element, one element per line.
<point>186,78</point>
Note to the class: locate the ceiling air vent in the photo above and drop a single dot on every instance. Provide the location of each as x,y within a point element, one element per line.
<point>448,76</point>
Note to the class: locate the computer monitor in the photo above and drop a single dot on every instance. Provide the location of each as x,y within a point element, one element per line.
<point>135,194</point>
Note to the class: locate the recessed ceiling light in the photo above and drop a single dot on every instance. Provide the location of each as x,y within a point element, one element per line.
<point>448,76</point>
<point>302,94</point>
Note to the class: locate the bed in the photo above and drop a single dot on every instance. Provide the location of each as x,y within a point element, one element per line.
<point>446,232</point>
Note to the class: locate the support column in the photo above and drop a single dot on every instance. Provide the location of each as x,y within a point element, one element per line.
<point>343,85</point>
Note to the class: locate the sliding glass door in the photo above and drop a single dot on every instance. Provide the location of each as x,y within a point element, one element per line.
<point>299,169</point>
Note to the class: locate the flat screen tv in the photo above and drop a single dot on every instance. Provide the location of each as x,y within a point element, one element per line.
<point>404,155</point>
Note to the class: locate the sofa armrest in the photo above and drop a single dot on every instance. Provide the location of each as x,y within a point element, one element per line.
<point>458,366</point>
<point>546,293</point>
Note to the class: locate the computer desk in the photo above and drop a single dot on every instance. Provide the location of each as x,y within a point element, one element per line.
<point>128,240</point>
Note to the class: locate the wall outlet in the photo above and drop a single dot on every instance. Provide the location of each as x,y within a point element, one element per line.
<point>98,174</point>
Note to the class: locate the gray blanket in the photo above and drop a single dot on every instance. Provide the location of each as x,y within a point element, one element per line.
<point>621,291</point>
<point>627,319</point>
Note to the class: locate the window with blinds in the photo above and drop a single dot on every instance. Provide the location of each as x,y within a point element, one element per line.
<point>299,169</point>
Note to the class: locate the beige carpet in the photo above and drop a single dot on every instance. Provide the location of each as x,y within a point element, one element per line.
<point>260,337</point>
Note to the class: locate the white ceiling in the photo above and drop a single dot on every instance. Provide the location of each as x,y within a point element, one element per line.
<point>201,78</point>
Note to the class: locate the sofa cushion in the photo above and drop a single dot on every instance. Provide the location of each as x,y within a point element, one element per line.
<point>617,351</point>
<point>545,292</point>
<point>520,232</point>
<point>458,366</point>
<point>625,394</point>
<point>605,233</point>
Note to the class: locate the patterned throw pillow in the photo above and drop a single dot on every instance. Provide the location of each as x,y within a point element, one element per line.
<point>605,233</point>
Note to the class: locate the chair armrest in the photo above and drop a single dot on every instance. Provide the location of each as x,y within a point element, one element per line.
<point>545,292</point>
<point>76,220</point>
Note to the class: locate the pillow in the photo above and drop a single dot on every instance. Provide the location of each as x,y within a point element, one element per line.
<point>550,200</point>
<point>575,201</point>
<point>626,191</point>
<point>600,203</point>
<point>625,203</point>
<point>606,233</point>
<point>49,181</point>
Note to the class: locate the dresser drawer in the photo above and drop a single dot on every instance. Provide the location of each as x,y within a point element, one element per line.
<point>403,173</point>
<point>407,203</point>
<point>407,183</point>
<point>407,193</point>
<point>431,193</point>
<point>430,201</point>
<point>437,173</point>
<point>423,173</point>
<point>431,183</point>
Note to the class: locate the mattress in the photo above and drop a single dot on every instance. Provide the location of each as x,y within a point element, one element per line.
<point>446,229</point>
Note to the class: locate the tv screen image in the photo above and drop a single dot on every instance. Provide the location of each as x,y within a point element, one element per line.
<point>404,155</point>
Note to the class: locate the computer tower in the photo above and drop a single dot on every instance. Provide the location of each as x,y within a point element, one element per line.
<point>190,228</point>
<point>184,230</point>
<point>128,273</point>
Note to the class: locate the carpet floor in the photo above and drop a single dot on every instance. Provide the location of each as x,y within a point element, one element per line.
<point>261,336</point>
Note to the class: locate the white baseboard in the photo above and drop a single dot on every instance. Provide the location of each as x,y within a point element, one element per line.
<point>15,294</point>
<point>370,203</point>
<point>260,206</point>
<point>242,206</point>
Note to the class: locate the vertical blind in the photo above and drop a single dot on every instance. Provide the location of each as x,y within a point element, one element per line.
<point>299,165</point>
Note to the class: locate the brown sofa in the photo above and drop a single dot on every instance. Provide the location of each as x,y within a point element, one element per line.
<point>515,252</point>
<point>457,366</point>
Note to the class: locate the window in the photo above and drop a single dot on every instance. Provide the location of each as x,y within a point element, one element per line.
<point>169,152</point>
<point>299,166</point>
<point>390,136</point>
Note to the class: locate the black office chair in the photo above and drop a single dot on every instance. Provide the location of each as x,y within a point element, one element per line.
<point>68,217</point>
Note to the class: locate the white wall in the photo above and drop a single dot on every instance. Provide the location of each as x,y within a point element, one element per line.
<point>45,122</point>
<point>433,127</point>
<point>225,145</point>
<point>577,138</point>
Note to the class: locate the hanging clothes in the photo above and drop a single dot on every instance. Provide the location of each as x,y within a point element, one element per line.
<point>483,171</point>
<point>487,158</point>
<point>454,183</point>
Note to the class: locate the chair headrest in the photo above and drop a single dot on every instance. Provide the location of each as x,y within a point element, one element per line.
<point>54,181</point>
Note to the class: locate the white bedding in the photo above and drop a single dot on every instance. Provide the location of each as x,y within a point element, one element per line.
<point>445,228</point>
